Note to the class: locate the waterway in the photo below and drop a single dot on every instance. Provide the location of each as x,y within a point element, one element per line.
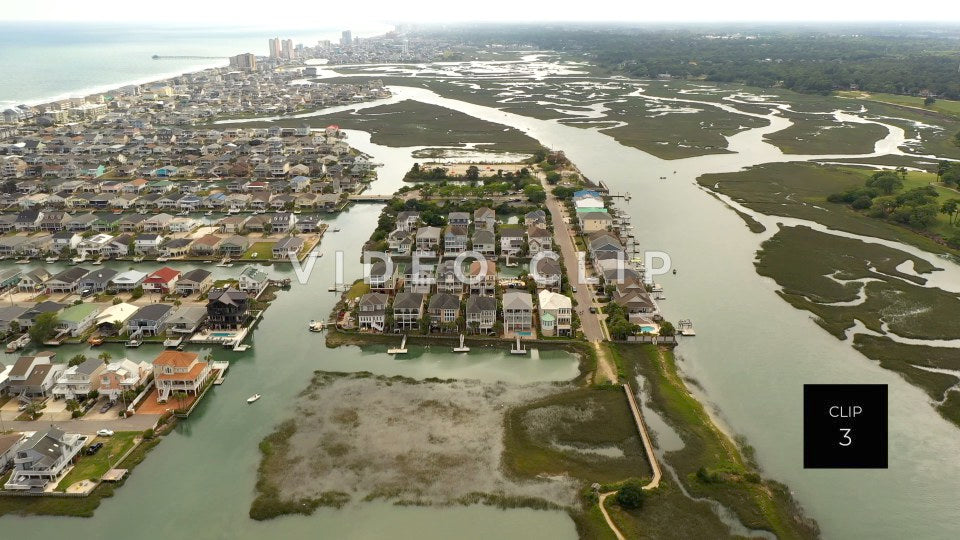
<point>203,473</point>
<point>753,352</point>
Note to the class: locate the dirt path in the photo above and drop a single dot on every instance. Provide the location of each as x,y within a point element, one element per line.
<point>605,367</point>
<point>606,516</point>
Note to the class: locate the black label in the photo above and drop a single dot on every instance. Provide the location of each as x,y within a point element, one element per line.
<point>845,426</point>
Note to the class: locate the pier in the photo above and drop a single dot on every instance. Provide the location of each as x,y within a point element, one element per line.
<point>400,350</point>
<point>370,198</point>
<point>187,57</point>
<point>518,348</point>
<point>461,348</point>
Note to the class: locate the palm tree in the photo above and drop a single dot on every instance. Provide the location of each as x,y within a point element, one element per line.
<point>180,395</point>
<point>105,356</point>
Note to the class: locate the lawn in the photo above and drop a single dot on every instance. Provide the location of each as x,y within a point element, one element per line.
<point>358,289</point>
<point>93,467</point>
<point>259,250</point>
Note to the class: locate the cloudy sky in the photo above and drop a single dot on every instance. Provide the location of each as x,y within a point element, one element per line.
<point>305,13</point>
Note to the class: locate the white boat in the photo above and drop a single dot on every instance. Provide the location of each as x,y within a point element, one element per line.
<point>23,261</point>
<point>51,260</point>
<point>253,398</point>
<point>317,326</point>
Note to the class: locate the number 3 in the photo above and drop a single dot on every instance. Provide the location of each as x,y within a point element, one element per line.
<point>846,436</point>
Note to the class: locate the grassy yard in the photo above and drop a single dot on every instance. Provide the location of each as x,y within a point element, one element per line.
<point>93,467</point>
<point>259,250</point>
<point>710,464</point>
<point>358,289</point>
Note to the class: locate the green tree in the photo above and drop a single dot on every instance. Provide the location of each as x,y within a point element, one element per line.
<point>886,181</point>
<point>137,293</point>
<point>630,496</point>
<point>667,329</point>
<point>473,173</point>
<point>77,360</point>
<point>105,356</point>
<point>44,327</point>
<point>929,100</point>
<point>956,139</point>
<point>535,193</point>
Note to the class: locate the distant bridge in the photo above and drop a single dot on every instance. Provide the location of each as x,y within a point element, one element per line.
<point>370,198</point>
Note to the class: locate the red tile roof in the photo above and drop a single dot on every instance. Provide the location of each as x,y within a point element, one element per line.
<point>163,275</point>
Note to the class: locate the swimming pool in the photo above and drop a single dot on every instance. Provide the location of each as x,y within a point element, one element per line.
<point>648,329</point>
<point>223,334</point>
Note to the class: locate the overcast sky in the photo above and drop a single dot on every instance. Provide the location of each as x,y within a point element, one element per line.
<point>316,13</point>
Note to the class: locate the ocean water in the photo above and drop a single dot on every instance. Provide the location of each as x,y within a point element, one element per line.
<point>41,62</point>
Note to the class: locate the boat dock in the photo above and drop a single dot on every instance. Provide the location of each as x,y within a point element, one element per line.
<point>461,348</point>
<point>221,367</point>
<point>685,327</point>
<point>400,350</point>
<point>518,348</point>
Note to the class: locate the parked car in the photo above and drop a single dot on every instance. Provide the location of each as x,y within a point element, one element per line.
<point>593,309</point>
<point>94,448</point>
<point>22,407</point>
<point>106,407</point>
<point>85,293</point>
<point>105,433</point>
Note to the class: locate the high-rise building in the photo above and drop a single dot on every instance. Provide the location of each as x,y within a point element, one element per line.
<point>287,49</point>
<point>346,39</point>
<point>246,61</point>
<point>275,47</point>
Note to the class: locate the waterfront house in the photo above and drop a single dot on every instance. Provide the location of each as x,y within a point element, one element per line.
<point>481,314</point>
<point>371,311</point>
<point>114,318</point>
<point>147,244</point>
<point>34,376</point>
<point>287,247</point>
<point>8,446</point>
<point>97,281</point>
<point>186,319</point>
<point>77,319</point>
<point>176,371</point>
<point>93,246</point>
<point>594,221</point>
<point>380,280</point>
<point>64,241</point>
<point>9,314</point>
<point>162,281</point>
<point>66,281</point>
<point>227,308</point>
<point>517,312</point>
<point>9,277</point>
<point>178,247</point>
<point>119,246</point>
<point>194,282</point>
<point>484,219</point>
<point>150,320</point>
<point>407,311</point>
<point>556,314</point>
<point>129,280</point>
<point>30,316</point>
<point>123,375</point>
<point>282,222</point>
<point>234,246</point>
<point>252,280</point>
<point>482,278</point>
<point>78,381</point>
<point>43,458</point>
<point>206,246</point>
<point>444,309</point>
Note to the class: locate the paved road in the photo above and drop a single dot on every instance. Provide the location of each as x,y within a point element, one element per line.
<point>137,422</point>
<point>589,322</point>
